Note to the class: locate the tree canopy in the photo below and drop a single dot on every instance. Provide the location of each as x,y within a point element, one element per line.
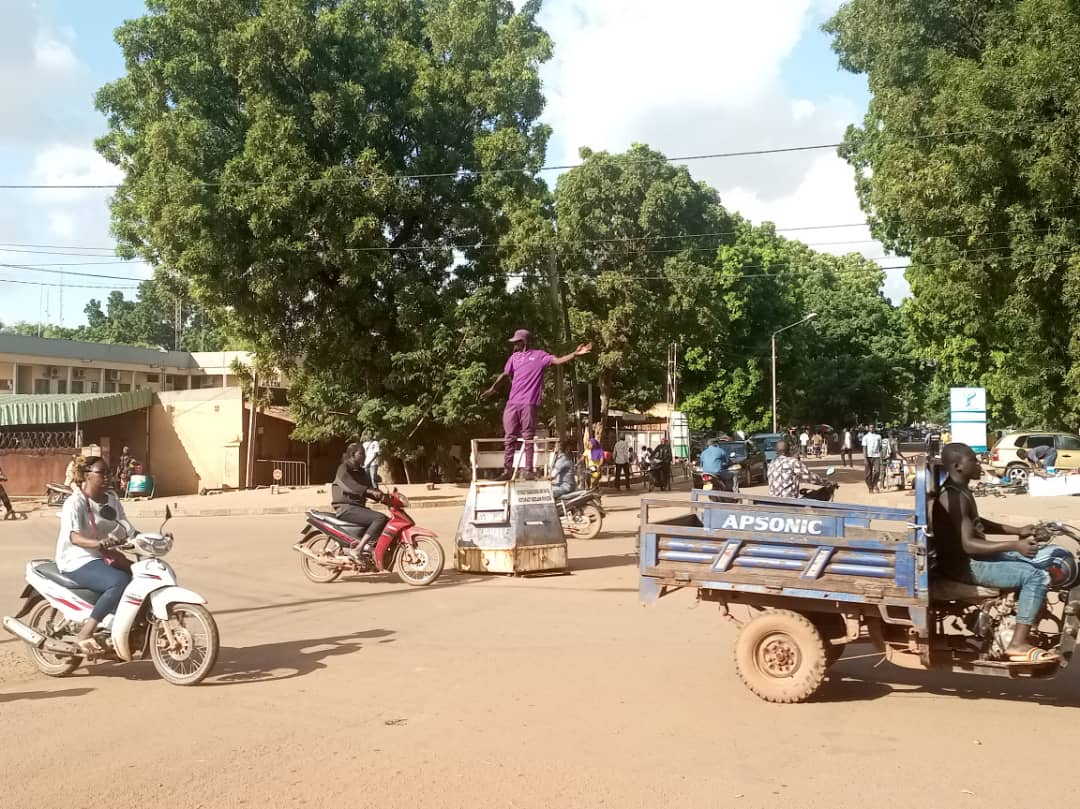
<point>966,162</point>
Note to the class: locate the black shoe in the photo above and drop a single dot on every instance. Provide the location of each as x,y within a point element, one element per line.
<point>507,474</point>
<point>530,476</point>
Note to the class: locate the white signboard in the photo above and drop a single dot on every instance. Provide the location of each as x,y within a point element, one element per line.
<point>967,417</point>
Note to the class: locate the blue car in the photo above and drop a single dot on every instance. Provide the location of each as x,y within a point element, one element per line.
<point>767,443</point>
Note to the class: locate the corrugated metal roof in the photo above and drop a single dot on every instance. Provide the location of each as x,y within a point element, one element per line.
<point>68,408</point>
<point>94,352</point>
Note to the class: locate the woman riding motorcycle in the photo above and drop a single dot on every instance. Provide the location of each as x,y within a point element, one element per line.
<point>350,492</point>
<point>82,547</point>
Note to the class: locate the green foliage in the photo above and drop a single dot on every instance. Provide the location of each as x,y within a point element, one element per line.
<point>966,162</point>
<point>263,145</point>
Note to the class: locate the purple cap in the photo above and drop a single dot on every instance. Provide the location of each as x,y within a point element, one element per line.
<point>520,336</point>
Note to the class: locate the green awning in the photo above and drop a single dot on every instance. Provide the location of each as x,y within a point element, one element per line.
<point>68,408</point>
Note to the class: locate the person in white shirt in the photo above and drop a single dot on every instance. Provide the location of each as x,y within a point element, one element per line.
<point>847,444</point>
<point>804,443</point>
<point>371,454</point>
<point>620,456</point>
<point>871,443</point>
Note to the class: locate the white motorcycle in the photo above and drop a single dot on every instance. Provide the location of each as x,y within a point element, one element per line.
<point>155,616</point>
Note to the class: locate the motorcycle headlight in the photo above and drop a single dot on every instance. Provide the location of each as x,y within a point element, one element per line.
<point>153,544</point>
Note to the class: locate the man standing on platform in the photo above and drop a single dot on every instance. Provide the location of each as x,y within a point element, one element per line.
<point>525,367</point>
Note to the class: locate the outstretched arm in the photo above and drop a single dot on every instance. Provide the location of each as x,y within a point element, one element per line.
<point>494,385</point>
<point>581,350</point>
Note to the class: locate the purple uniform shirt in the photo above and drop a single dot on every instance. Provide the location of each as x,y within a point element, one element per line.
<point>526,370</point>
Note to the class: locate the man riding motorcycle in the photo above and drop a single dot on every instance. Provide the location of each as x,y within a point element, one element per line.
<point>350,492</point>
<point>563,481</point>
<point>661,458</point>
<point>716,461</point>
<point>785,472</point>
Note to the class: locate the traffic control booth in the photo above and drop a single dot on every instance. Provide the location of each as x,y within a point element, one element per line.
<point>510,526</point>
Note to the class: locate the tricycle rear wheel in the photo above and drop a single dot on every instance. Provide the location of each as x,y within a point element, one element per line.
<point>781,657</point>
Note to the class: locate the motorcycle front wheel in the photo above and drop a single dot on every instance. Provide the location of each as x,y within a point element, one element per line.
<point>585,522</point>
<point>315,570</point>
<point>190,659</point>
<point>421,564</point>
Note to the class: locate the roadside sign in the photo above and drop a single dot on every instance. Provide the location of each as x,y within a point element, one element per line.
<point>967,417</point>
<point>277,475</point>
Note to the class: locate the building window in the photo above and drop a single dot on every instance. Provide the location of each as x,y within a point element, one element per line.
<point>152,377</point>
<point>41,386</point>
<point>92,387</point>
<point>124,387</point>
<point>77,386</point>
<point>110,387</point>
<point>61,386</point>
<point>5,384</point>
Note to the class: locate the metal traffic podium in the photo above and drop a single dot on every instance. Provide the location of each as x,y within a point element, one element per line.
<point>510,526</point>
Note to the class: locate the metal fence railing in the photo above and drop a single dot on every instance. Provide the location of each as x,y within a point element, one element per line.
<point>293,473</point>
<point>38,439</point>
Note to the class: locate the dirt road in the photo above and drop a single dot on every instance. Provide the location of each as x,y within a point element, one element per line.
<point>493,692</point>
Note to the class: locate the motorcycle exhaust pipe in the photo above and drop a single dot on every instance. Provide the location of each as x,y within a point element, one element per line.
<point>337,560</point>
<point>21,630</point>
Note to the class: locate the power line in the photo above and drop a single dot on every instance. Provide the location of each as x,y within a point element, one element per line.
<point>64,286</point>
<point>515,170</point>
<point>33,268</point>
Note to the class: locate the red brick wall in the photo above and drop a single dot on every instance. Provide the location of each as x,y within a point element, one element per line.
<point>28,470</point>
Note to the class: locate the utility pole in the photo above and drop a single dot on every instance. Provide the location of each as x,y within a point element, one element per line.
<point>560,377</point>
<point>252,404</point>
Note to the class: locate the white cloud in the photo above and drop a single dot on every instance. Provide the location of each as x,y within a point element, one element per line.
<point>54,56</point>
<point>694,77</point>
<point>63,164</point>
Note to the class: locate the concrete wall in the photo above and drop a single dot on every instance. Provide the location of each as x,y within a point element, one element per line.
<point>195,440</point>
<point>28,470</point>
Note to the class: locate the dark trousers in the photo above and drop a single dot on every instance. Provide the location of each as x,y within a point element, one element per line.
<point>622,470</point>
<point>846,453</point>
<point>105,579</point>
<point>519,421</point>
<point>6,500</point>
<point>373,521</point>
<point>873,473</point>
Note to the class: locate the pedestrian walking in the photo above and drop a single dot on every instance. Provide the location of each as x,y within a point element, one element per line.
<point>9,510</point>
<point>871,444</point>
<point>804,443</point>
<point>525,369</point>
<point>372,453</point>
<point>620,456</point>
<point>817,441</point>
<point>846,445</point>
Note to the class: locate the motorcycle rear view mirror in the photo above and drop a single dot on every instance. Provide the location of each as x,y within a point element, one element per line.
<point>168,516</point>
<point>830,471</point>
<point>108,513</point>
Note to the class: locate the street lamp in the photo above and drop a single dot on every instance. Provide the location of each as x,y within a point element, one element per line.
<point>810,316</point>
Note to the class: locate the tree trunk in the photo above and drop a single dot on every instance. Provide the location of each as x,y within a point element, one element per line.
<point>605,397</point>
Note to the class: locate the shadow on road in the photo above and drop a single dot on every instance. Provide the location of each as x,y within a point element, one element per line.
<point>288,659</point>
<point>254,664</point>
<point>17,696</point>
<point>580,563</point>
<point>856,680</point>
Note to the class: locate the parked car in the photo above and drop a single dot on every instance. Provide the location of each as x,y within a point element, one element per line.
<point>767,443</point>
<point>749,456</point>
<point>1006,462</point>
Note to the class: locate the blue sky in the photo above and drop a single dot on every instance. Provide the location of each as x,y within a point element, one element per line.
<point>687,77</point>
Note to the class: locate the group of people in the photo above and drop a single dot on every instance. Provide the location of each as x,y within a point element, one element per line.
<point>811,443</point>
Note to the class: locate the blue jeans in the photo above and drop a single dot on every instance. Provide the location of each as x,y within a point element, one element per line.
<point>1011,571</point>
<point>104,579</point>
<point>559,492</point>
<point>373,473</point>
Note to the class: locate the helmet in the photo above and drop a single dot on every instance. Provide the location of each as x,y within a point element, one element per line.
<point>1061,564</point>
<point>153,544</point>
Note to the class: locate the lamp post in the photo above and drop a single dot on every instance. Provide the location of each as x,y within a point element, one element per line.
<point>810,316</point>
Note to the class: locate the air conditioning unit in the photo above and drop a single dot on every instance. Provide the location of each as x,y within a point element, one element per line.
<point>54,372</point>
<point>78,373</point>
<point>112,376</point>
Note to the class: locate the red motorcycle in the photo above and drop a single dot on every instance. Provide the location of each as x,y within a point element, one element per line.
<point>327,548</point>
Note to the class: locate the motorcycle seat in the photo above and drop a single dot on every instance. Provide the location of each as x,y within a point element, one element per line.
<point>332,518</point>
<point>573,497</point>
<point>942,589</point>
<point>50,571</point>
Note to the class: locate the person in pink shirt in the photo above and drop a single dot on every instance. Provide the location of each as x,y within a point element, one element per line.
<point>525,367</point>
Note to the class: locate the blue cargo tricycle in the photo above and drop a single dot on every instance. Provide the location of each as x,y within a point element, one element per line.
<point>816,576</point>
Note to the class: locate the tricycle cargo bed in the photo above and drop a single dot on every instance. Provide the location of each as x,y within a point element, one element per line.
<point>743,543</point>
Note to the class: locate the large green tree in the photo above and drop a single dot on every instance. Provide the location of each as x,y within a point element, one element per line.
<point>340,173</point>
<point>966,162</point>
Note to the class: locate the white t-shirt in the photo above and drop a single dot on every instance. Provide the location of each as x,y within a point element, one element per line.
<point>371,451</point>
<point>76,517</point>
<point>804,439</point>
